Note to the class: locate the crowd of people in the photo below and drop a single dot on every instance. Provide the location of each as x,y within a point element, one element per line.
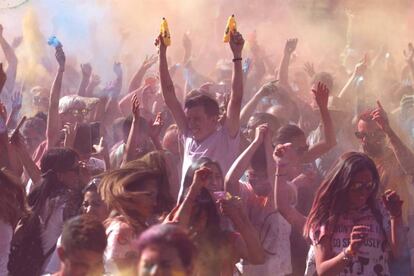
<point>255,171</point>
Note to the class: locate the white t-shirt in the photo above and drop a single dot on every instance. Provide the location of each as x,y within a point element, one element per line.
<point>274,233</point>
<point>121,238</point>
<point>219,147</point>
<point>6,235</point>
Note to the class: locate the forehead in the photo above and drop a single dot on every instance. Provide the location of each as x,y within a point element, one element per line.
<point>367,126</point>
<point>362,176</point>
<point>213,167</point>
<point>299,141</point>
<point>195,111</point>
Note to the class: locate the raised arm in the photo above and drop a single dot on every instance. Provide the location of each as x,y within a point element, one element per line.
<point>249,247</point>
<point>236,96</point>
<point>231,182</point>
<point>168,90</point>
<point>396,237</point>
<point>290,47</point>
<point>281,190</point>
<point>251,105</point>
<point>139,75</point>
<point>403,154</point>
<point>3,77</point>
<point>346,95</point>
<point>321,96</point>
<point>11,61</point>
<point>52,131</point>
<point>182,214</point>
<point>29,165</point>
<point>86,76</point>
<point>131,145</point>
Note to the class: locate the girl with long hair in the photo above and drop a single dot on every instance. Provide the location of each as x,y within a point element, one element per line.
<point>351,231</point>
<point>132,196</point>
<point>219,249</point>
<point>12,208</point>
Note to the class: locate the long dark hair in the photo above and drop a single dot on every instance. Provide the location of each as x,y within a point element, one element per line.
<point>12,198</point>
<point>204,201</point>
<point>53,161</point>
<point>331,198</point>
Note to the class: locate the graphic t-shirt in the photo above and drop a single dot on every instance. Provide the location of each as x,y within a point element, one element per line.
<point>371,258</point>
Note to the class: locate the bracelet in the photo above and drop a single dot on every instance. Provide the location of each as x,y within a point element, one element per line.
<point>237,59</point>
<point>396,217</point>
<point>347,255</point>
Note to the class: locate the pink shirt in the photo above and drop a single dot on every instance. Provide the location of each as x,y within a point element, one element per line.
<point>219,147</point>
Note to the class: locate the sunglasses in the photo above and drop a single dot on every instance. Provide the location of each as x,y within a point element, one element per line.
<point>359,186</point>
<point>77,112</point>
<point>369,135</point>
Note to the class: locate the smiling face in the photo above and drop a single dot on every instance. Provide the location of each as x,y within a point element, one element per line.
<point>199,123</point>
<point>360,189</point>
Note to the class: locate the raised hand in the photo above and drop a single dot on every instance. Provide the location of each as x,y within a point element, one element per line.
<point>95,80</point>
<point>186,42</point>
<point>231,208</point>
<point>156,127</point>
<point>266,90</point>
<point>309,69</point>
<point>117,68</point>
<point>321,93</point>
<point>409,54</point>
<point>17,100</point>
<point>362,66</point>
<point>3,112</point>
<point>60,57</point>
<point>70,131</point>
<point>358,235</point>
<point>148,62</point>
<point>159,42</point>
<point>261,132</point>
<point>380,117</point>
<point>236,44</point>
<point>3,77</point>
<point>101,148</point>
<point>86,69</point>
<point>392,203</point>
<point>135,107</point>
<point>290,46</point>
<point>284,154</point>
<point>201,177</point>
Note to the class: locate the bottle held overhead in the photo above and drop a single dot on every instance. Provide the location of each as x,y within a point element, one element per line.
<point>231,27</point>
<point>165,32</point>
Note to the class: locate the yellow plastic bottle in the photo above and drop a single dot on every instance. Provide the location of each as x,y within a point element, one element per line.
<point>230,28</point>
<point>165,32</point>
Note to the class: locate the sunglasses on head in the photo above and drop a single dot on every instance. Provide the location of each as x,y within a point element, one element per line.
<point>362,135</point>
<point>359,186</point>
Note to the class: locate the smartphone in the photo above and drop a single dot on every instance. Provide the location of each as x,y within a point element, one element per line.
<point>95,132</point>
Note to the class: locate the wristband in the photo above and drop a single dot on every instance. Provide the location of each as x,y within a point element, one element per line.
<point>237,59</point>
<point>348,255</point>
